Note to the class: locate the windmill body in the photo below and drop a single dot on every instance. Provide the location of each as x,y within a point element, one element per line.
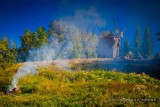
<point>109,43</point>
<point>116,47</point>
<point>117,37</point>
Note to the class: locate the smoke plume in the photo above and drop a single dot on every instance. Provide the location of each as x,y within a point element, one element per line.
<point>26,69</point>
<point>73,25</point>
<point>87,20</point>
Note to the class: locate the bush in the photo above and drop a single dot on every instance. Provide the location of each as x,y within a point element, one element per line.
<point>56,87</point>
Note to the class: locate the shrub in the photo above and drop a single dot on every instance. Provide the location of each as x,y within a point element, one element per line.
<point>56,87</point>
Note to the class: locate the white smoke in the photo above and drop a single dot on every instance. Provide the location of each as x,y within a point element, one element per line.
<point>42,53</point>
<point>26,69</point>
<point>86,19</point>
<point>81,20</point>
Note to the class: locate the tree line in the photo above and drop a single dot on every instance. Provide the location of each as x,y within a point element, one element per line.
<point>142,46</point>
<point>66,40</point>
<point>69,42</point>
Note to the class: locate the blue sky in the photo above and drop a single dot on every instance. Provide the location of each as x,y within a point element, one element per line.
<point>19,15</point>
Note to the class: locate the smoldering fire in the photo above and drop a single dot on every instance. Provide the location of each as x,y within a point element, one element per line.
<point>49,52</point>
<point>26,69</point>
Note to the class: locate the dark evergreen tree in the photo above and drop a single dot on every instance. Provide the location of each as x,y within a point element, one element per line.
<point>126,47</point>
<point>137,43</point>
<point>147,45</point>
<point>157,56</point>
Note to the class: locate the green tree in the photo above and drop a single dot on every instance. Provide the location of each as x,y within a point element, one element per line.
<point>27,43</point>
<point>137,43</point>
<point>126,47</point>
<point>147,45</point>
<point>56,30</point>
<point>3,49</point>
<point>157,56</point>
<point>42,36</point>
<point>90,43</point>
<point>8,51</point>
<point>69,42</point>
<point>4,43</point>
<point>56,39</point>
<point>72,42</point>
<point>77,47</point>
<point>13,52</point>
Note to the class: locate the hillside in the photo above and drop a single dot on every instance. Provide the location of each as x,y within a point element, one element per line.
<point>73,83</point>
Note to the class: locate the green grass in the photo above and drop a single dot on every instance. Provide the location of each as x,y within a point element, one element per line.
<point>53,87</point>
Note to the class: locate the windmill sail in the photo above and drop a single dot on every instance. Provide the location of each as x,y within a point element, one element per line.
<point>116,28</point>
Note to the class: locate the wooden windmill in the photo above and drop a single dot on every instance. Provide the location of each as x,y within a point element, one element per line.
<point>118,35</point>
<point>109,43</point>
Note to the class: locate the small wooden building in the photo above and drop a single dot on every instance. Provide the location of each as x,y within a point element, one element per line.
<point>105,45</point>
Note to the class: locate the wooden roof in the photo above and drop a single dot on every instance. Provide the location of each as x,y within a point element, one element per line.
<point>106,34</point>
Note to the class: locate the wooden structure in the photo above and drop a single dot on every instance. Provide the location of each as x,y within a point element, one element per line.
<point>116,47</point>
<point>105,45</point>
<point>109,43</point>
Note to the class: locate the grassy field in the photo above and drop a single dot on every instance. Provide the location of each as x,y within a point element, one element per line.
<point>54,86</point>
